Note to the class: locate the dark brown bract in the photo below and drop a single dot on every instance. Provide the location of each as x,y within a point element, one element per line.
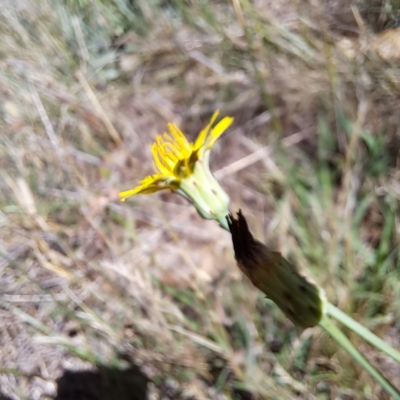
<point>300,300</point>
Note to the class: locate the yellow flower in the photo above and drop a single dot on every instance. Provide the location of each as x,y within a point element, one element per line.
<point>183,167</point>
<point>302,302</point>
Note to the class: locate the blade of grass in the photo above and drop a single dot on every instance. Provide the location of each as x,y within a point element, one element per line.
<point>345,343</point>
<point>363,332</point>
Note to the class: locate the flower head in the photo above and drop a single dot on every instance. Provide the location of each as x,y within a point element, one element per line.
<point>300,300</point>
<point>183,167</point>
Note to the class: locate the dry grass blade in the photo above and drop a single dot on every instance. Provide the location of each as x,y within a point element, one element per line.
<point>99,109</point>
<point>312,158</point>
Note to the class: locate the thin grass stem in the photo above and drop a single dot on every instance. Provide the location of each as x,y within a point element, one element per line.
<point>336,334</point>
<point>362,331</point>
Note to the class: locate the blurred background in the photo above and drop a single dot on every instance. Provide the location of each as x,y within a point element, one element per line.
<point>107,300</point>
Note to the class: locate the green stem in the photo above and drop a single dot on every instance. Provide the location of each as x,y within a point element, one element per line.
<point>362,331</point>
<point>345,343</point>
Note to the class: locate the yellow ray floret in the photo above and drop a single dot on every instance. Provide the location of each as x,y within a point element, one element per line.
<point>175,157</point>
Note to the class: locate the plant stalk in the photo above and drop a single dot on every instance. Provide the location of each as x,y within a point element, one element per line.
<point>362,331</point>
<point>330,328</point>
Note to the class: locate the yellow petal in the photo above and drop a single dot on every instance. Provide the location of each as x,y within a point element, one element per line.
<point>179,140</point>
<point>128,193</point>
<point>167,151</point>
<point>161,161</point>
<point>202,137</point>
<point>218,130</point>
<point>148,185</point>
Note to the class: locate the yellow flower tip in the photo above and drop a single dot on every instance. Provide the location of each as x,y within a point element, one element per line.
<point>214,116</point>
<point>208,136</point>
<point>219,129</point>
<point>302,301</point>
<point>128,193</point>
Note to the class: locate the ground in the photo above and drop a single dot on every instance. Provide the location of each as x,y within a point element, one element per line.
<point>101,299</point>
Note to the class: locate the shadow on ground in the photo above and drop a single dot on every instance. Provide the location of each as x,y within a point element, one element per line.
<point>104,383</point>
<point>4,397</point>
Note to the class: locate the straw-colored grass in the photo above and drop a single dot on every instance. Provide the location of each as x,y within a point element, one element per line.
<point>313,160</point>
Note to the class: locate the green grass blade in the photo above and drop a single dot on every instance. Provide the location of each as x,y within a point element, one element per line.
<point>363,332</point>
<point>345,343</point>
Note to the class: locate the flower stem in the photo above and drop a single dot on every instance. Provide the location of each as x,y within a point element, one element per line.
<point>363,332</point>
<point>330,328</point>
